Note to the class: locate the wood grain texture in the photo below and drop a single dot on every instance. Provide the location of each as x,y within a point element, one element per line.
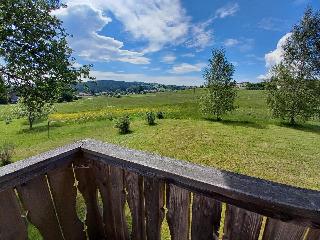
<point>178,215</point>
<point>12,224</point>
<point>36,200</point>
<point>264,197</point>
<point>278,230</point>
<point>135,198</point>
<point>241,224</point>
<point>64,194</point>
<point>154,204</point>
<point>206,215</point>
<point>89,190</point>
<point>110,181</point>
<point>313,234</point>
<point>22,171</point>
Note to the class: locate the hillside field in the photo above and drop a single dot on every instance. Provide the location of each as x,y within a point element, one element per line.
<point>247,141</point>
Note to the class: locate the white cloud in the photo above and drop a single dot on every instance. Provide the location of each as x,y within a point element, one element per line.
<point>188,55</point>
<point>243,44</point>
<point>264,77</point>
<point>228,10</point>
<point>187,68</point>
<point>201,36</point>
<point>273,24</point>
<point>159,22</point>
<point>169,58</point>
<point>230,42</point>
<point>88,43</point>
<point>137,77</point>
<point>246,45</point>
<point>275,57</point>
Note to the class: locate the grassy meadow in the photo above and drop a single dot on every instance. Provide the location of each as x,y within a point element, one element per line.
<point>247,141</point>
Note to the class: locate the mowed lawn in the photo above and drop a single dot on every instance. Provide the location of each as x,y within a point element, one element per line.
<point>248,141</point>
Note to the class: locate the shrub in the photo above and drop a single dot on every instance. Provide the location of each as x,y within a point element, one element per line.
<point>151,118</point>
<point>160,115</point>
<point>8,120</point>
<point>123,125</point>
<point>6,152</point>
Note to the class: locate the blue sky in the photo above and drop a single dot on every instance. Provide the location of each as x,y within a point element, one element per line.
<point>170,41</point>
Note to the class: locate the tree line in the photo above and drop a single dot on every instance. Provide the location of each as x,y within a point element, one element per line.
<point>294,84</point>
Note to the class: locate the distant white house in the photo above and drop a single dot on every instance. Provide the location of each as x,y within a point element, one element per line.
<point>242,85</point>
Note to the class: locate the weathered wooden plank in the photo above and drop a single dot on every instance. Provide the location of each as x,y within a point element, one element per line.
<point>278,230</point>
<point>89,190</point>
<point>154,206</point>
<point>110,181</point>
<point>178,215</point>
<point>22,171</point>
<point>313,234</point>
<point>264,197</point>
<point>12,224</point>
<point>241,224</point>
<point>36,200</point>
<point>135,197</point>
<point>64,194</point>
<point>206,215</point>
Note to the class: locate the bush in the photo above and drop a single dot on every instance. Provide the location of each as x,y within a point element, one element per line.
<point>151,118</point>
<point>6,152</point>
<point>123,125</point>
<point>160,115</point>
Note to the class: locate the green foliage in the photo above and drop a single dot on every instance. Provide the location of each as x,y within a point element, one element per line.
<point>221,92</point>
<point>32,111</point>
<point>67,96</point>
<point>302,48</point>
<point>151,118</point>
<point>292,98</point>
<point>6,152</point>
<point>160,115</point>
<point>3,92</point>
<point>33,44</point>
<point>123,125</point>
<point>256,86</point>
<point>294,89</point>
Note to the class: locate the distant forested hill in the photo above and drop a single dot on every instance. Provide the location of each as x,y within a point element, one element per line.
<point>122,86</point>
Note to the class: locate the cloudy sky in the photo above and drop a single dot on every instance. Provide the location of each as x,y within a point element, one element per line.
<point>170,41</point>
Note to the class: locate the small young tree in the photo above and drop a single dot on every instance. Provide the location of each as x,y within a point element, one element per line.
<point>294,88</point>
<point>38,62</point>
<point>221,92</point>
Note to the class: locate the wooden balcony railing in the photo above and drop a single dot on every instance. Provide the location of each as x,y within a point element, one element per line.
<point>42,190</point>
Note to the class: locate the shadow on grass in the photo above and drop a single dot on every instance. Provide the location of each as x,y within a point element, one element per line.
<point>306,127</point>
<point>244,123</point>
<point>126,133</point>
<point>39,129</point>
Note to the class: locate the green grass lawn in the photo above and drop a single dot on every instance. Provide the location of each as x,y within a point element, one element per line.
<point>248,141</point>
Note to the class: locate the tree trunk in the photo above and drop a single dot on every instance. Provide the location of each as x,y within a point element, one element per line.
<point>292,121</point>
<point>30,119</point>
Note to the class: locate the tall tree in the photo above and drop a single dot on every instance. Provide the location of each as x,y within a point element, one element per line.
<point>294,89</point>
<point>39,62</point>
<point>221,92</point>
